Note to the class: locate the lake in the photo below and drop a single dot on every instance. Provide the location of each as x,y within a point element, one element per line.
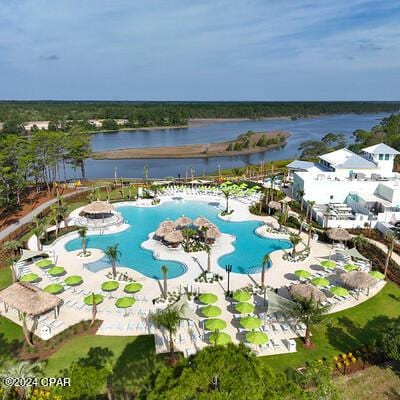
<point>300,130</point>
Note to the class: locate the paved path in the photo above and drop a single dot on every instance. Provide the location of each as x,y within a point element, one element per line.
<point>28,217</point>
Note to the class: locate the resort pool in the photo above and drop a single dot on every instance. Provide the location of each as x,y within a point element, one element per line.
<point>246,258</point>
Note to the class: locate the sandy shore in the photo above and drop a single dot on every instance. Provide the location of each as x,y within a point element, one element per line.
<point>191,150</point>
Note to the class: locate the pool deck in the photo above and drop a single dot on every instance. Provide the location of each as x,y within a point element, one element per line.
<point>190,336</point>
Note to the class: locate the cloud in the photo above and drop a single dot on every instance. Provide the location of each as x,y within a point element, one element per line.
<point>51,57</point>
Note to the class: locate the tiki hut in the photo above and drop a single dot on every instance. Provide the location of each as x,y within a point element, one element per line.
<point>98,209</point>
<point>168,224</point>
<point>338,234</point>
<point>183,222</point>
<point>274,205</point>
<point>29,299</point>
<point>211,234</point>
<point>302,290</point>
<point>200,221</point>
<point>161,232</point>
<point>174,238</point>
<point>357,280</point>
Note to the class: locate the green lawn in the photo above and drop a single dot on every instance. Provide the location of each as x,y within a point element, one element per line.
<point>346,330</point>
<point>126,349</point>
<point>5,277</point>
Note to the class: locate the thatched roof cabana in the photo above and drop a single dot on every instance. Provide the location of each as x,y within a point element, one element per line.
<point>29,299</point>
<point>338,234</point>
<point>98,207</point>
<point>174,238</point>
<point>183,222</point>
<point>161,232</point>
<point>168,224</point>
<point>212,233</point>
<point>302,290</point>
<point>200,221</point>
<point>358,280</point>
<point>274,205</point>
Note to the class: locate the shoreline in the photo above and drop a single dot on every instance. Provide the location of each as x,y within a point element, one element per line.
<point>195,150</point>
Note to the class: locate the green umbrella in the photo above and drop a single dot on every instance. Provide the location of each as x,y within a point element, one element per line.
<point>242,295</point>
<point>302,273</point>
<point>125,302</point>
<point>133,287</point>
<point>56,271</point>
<point>339,291</point>
<point>220,338</point>
<point>73,280</point>
<point>98,298</point>
<point>244,308</point>
<point>328,264</point>
<point>110,286</point>
<point>250,322</point>
<point>208,298</point>
<point>257,337</point>
<point>214,324</point>
<point>320,282</point>
<point>211,311</point>
<point>44,264</point>
<point>377,275</point>
<point>30,278</point>
<point>351,267</point>
<point>54,288</point>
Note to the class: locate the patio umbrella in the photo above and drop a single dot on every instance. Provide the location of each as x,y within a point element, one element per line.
<point>98,298</point>
<point>110,286</point>
<point>250,322</point>
<point>54,288</point>
<point>329,264</point>
<point>214,324</point>
<point>377,275</point>
<point>302,274</point>
<point>323,282</point>
<point>125,302</point>
<point>244,308</point>
<point>30,278</point>
<point>56,271</point>
<point>257,337</point>
<point>220,338</point>
<point>339,291</point>
<point>338,234</point>
<point>43,264</point>
<point>73,280</point>
<point>133,287</point>
<point>211,311</point>
<point>242,295</point>
<point>351,267</point>
<point>306,291</point>
<point>208,298</point>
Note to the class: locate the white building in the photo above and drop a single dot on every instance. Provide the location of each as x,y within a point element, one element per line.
<point>350,190</point>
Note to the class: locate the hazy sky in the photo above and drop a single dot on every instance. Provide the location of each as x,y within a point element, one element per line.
<point>200,49</point>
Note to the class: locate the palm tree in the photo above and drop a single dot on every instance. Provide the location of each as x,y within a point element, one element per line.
<point>264,264</point>
<point>390,238</point>
<point>94,310</point>
<point>301,194</point>
<point>207,249</point>
<point>53,217</point>
<point>113,254</point>
<point>38,231</point>
<point>359,241</point>
<point>12,246</point>
<point>168,319</point>
<point>295,240</point>
<point>311,204</point>
<point>25,330</point>
<point>310,230</point>
<point>309,312</point>
<point>302,218</point>
<point>164,270</point>
<point>21,371</point>
<point>82,234</point>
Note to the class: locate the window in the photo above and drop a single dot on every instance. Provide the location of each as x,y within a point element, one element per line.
<point>380,156</point>
<point>386,156</point>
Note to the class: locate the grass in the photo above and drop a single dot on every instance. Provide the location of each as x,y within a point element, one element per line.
<point>126,349</point>
<point>5,277</point>
<point>344,331</point>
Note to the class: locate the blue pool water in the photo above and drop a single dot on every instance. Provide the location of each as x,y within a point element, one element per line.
<point>246,258</point>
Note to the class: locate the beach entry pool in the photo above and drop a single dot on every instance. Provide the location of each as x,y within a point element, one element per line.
<point>245,259</point>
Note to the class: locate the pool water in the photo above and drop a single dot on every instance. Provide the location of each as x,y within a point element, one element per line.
<point>246,258</point>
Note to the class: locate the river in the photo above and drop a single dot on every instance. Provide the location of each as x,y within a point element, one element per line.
<point>300,130</point>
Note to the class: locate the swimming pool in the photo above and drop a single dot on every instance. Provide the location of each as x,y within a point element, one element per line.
<point>246,258</point>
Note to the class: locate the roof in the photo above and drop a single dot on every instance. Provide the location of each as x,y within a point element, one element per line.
<point>98,207</point>
<point>29,299</point>
<point>380,148</point>
<point>344,158</point>
<point>28,254</point>
<point>299,164</point>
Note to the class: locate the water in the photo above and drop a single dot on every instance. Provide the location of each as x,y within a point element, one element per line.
<point>246,258</point>
<point>300,130</point>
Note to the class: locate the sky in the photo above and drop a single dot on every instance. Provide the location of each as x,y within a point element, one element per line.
<point>200,49</point>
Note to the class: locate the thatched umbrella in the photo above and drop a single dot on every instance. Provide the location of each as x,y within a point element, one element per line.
<point>302,290</point>
<point>161,232</point>
<point>98,207</point>
<point>183,221</point>
<point>211,234</point>
<point>168,224</point>
<point>174,238</point>
<point>200,221</point>
<point>357,280</point>
<point>274,205</point>
<point>338,234</point>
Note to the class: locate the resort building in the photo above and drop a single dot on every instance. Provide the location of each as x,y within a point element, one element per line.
<point>350,190</point>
